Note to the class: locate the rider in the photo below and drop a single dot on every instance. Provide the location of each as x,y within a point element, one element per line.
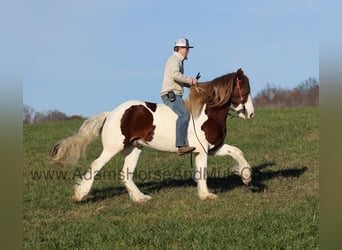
<point>172,90</point>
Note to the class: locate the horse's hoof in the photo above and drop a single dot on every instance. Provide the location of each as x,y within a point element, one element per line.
<point>246,175</point>
<point>142,199</point>
<point>76,197</point>
<point>209,196</point>
<point>247,181</point>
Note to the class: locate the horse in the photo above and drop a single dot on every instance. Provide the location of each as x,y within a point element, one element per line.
<point>134,125</point>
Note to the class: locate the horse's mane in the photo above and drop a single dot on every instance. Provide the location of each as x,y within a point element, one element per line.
<point>219,90</point>
<point>215,93</point>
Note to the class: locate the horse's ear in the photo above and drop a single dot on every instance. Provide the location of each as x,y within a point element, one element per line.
<point>239,73</point>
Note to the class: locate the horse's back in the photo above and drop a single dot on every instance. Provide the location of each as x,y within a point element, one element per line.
<point>156,109</point>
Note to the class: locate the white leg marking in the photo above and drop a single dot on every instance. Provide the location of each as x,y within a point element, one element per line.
<point>244,169</point>
<point>83,187</point>
<point>201,177</point>
<point>127,174</point>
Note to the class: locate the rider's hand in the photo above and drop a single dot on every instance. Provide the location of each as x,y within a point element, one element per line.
<point>194,82</point>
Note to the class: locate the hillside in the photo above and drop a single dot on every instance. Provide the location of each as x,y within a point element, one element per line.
<point>280,210</point>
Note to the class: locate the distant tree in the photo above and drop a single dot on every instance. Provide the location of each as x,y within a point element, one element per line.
<point>55,115</point>
<point>75,117</point>
<point>51,115</point>
<point>30,116</point>
<point>309,91</point>
<point>27,114</point>
<point>305,94</point>
<point>307,85</point>
<point>38,117</point>
<point>269,91</point>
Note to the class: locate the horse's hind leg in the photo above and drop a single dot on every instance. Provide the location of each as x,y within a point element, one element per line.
<point>131,160</point>
<point>83,186</point>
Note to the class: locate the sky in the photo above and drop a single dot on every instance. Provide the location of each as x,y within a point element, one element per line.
<point>83,57</point>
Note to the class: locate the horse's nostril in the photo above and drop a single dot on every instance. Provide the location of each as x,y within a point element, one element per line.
<point>251,115</point>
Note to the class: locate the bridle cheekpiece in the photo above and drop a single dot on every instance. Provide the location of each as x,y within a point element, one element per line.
<point>243,110</point>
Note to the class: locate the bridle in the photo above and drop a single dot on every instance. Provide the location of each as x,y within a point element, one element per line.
<point>243,109</point>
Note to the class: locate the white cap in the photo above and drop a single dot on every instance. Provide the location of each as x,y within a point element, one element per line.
<point>182,42</point>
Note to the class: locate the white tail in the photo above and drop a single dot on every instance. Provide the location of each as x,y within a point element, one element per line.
<point>70,149</point>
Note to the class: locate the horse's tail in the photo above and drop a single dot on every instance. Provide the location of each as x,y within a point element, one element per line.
<point>70,149</point>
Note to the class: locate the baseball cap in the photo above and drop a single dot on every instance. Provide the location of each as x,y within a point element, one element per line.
<point>182,42</point>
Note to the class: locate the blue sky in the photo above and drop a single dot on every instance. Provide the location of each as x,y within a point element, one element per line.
<point>84,57</point>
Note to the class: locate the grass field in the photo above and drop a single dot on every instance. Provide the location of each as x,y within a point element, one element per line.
<point>279,211</point>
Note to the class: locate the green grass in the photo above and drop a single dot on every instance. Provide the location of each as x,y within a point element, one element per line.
<point>280,210</point>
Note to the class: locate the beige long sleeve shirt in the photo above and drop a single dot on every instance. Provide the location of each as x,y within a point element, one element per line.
<point>174,78</point>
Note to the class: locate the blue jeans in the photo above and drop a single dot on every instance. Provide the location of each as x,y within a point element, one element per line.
<point>182,123</point>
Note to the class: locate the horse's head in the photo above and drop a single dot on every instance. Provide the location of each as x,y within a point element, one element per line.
<point>228,91</point>
<point>241,100</point>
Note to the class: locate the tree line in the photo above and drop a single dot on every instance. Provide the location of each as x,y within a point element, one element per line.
<point>271,96</point>
<point>305,94</point>
<point>31,116</point>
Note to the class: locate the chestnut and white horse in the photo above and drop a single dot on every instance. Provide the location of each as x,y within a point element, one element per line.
<point>135,124</point>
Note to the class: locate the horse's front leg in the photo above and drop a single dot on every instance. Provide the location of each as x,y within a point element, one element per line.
<point>201,177</point>
<point>244,169</point>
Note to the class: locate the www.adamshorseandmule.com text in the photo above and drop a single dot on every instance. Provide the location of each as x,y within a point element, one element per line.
<point>143,175</point>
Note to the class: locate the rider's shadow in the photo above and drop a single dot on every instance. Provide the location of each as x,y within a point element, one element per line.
<point>260,174</point>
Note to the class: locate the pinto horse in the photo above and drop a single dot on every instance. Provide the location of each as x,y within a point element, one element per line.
<point>135,124</point>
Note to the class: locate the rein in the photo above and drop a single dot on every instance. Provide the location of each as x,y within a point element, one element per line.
<point>198,89</point>
<point>193,124</point>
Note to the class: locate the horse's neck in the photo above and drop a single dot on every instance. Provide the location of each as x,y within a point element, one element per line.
<point>196,105</point>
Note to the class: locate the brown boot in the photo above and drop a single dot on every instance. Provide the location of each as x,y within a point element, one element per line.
<point>185,149</point>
